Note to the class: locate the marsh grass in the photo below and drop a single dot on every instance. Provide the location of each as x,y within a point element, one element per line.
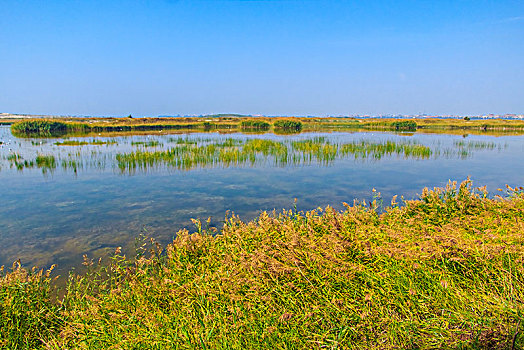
<point>443,271</point>
<point>234,152</point>
<point>152,143</point>
<point>255,124</point>
<point>476,145</point>
<point>83,143</point>
<point>404,125</point>
<point>46,128</point>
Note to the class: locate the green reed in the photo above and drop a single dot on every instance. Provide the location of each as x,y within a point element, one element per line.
<point>476,145</point>
<point>83,143</point>
<point>231,151</point>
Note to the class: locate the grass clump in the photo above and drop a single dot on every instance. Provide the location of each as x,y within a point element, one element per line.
<point>71,143</point>
<point>83,143</point>
<point>443,271</point>
<point>290,125</point>
<point>46,128</point>
<point>404,125</point>
<point>255,124</point>
<point>152,143</point>
<point>28,318</point>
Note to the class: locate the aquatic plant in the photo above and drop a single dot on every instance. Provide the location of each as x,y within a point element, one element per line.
<point>288,125</point>
<point>46,128</point>
<point>82,143</point>
<point>404,125</point>
<point>152,143</point>
<point>474,144</point>
<point>231,151</point>
<point>71,143</point>
<point>255,124</point>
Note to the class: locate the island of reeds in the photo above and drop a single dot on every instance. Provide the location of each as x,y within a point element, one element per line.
<point>71,126</point>
<point>443,271</point>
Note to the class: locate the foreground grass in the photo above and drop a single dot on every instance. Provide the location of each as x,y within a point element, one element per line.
<point>444,271</point>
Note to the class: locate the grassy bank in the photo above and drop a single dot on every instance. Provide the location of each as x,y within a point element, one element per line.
<point>442,271</point>
<point>78,126</point>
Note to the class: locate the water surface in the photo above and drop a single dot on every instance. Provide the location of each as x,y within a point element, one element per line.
<point>62,201</point>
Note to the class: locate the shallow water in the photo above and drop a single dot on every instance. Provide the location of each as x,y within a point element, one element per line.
<point>85,203</point>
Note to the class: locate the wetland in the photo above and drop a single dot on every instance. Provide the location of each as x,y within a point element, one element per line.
<point>213,238</point>
<point>63,197</point>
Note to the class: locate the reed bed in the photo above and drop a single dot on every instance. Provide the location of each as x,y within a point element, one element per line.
<point>231,152</point>
<point>443,271</point>
<point>255,124</point>
<point>84,143</point>
<point>152,143</point>
<point>186,153</point>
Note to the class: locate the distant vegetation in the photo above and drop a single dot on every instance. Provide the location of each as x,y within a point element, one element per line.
<point>255,124</point>
<point>72,126</point>
<point>404,125</point>
<point>444,271</point>
<point>288,125</point>
<point>45,128</point>
<point>83,143</point>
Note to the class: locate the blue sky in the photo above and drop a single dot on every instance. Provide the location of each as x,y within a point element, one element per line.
<point>261,57</point>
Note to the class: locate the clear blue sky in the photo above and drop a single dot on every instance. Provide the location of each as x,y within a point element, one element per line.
<point>261,57</point>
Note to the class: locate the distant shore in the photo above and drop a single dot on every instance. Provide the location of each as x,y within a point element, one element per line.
<point>26,126</point>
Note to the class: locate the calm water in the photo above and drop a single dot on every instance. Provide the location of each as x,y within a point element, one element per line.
<point>87,203</point>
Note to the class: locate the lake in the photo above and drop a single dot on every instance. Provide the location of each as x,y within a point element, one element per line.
<point>62,198</point>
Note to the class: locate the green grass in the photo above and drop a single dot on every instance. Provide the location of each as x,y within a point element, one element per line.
<point>255,124</point>
<point>234,152</point>
<point>288,125</point>
<point>404,125</point>
<point>443,271</point>
<point>46,128</point>
<point>83,143</point>
<point>153,143</point>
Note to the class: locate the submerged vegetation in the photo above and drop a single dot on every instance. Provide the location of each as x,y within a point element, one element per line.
<point>443,271</point>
